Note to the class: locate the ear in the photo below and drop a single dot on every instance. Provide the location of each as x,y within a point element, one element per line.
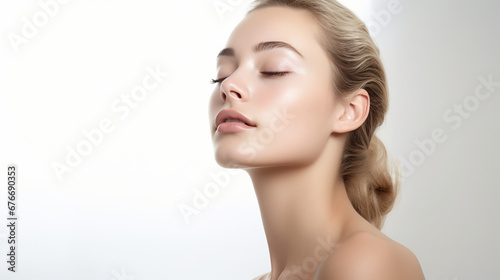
<point>353,111</point>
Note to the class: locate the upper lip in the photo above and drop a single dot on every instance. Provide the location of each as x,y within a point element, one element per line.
<point>225,114</point>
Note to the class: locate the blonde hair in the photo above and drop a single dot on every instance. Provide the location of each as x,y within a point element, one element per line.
<point>355,63</point>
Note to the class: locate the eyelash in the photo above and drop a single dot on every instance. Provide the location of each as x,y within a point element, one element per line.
<point>272,74</point>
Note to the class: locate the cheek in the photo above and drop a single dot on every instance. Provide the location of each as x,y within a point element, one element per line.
<point>309,104</point>
<point>215,96</point>
<point>295,119</point>
<point>214,104</point>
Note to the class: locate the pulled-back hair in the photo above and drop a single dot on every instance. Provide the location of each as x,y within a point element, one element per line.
<point>355,63</point>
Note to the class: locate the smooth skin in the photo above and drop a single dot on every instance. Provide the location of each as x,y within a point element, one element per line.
<point>293,157</point>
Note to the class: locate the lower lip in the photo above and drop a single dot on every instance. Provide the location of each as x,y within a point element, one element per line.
<point>230,127</point>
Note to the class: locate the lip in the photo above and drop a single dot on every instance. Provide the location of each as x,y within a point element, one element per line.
<point>225,114</point>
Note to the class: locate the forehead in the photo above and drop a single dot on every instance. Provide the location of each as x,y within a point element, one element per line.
<point>296,27</point>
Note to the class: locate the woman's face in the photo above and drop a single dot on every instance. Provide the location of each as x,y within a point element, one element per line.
<point>273,71</point>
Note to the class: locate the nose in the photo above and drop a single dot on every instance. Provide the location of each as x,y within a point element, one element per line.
<point>233,89</point>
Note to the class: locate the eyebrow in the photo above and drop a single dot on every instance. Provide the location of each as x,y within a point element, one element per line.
<point>263,46</point>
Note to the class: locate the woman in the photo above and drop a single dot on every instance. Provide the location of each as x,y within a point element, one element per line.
<point>300,91</point>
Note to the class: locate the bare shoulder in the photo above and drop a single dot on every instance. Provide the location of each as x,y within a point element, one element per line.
<point>265,276</point>
<point>370,256</point>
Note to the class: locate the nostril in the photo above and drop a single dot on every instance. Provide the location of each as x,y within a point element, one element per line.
<point>237,94</point>
<point>230,91</point>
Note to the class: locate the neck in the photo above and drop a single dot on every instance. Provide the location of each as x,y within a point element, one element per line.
<point>304,212</point>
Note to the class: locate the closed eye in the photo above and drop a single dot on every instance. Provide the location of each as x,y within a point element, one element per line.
<point>283,73</point>
<point>265,73</point>
<point>216,81</point>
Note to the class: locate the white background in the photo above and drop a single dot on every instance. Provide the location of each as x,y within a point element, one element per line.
<point>116,214</point>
